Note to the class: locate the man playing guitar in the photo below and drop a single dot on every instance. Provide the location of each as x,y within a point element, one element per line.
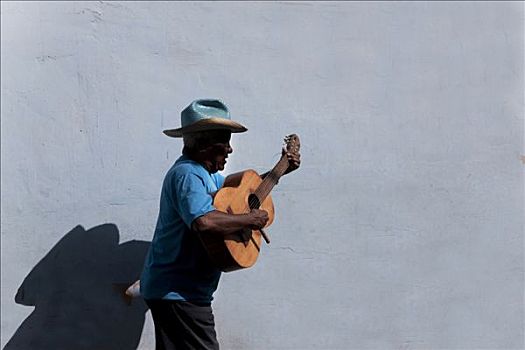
<point>179,278</point>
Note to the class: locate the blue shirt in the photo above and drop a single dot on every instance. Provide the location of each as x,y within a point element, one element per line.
<point>177,265</point>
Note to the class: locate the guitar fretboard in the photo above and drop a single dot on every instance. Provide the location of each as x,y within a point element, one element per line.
<point>271,179</point>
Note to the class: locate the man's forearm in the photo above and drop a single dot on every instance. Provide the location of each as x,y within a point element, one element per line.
<point>224,224</point>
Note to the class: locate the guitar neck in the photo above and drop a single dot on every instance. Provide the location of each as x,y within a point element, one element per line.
<point>271,179</point>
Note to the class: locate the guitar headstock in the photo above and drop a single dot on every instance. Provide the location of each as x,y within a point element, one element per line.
<point>292,144</point>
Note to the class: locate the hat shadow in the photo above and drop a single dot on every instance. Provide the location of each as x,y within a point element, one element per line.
<point>77,290</point>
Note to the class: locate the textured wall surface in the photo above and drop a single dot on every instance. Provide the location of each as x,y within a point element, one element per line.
<point>402,230</point>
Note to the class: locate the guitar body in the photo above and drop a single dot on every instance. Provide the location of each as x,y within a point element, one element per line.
<point>240,193</point>
<point>239,250</point>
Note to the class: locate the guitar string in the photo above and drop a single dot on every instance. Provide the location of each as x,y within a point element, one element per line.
<point>265,188</point>
<point>268,183</point>
<point>263,193</point>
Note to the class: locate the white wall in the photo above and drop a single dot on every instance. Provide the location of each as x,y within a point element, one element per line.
<point>403,228</point>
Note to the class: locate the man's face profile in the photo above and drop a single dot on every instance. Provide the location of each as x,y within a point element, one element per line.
<point>218,151</point>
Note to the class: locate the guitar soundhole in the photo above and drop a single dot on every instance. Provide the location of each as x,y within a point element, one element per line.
<point>254,202</point>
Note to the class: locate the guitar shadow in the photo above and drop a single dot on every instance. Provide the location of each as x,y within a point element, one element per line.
<point>77,290</point>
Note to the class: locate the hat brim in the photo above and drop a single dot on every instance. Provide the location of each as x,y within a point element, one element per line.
<point>206,125</point>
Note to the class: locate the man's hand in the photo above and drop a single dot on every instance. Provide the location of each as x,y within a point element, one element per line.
<point>294,160</point>
<point>258,218</point>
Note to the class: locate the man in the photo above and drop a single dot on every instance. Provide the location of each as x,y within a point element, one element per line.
<point>178,280</point>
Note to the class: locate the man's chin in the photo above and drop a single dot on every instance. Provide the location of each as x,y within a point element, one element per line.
<point>217,168</point>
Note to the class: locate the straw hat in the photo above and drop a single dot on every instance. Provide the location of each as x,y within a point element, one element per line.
<point>203,115</point>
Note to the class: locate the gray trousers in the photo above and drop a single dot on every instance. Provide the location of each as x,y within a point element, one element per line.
<point>183,325</point>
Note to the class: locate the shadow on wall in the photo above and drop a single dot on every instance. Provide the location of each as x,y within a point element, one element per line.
<point>77,290</point>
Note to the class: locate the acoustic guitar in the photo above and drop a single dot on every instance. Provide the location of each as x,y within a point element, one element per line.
<point>240,193</point>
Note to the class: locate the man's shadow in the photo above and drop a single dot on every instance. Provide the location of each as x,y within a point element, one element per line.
<point>77,290</point>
